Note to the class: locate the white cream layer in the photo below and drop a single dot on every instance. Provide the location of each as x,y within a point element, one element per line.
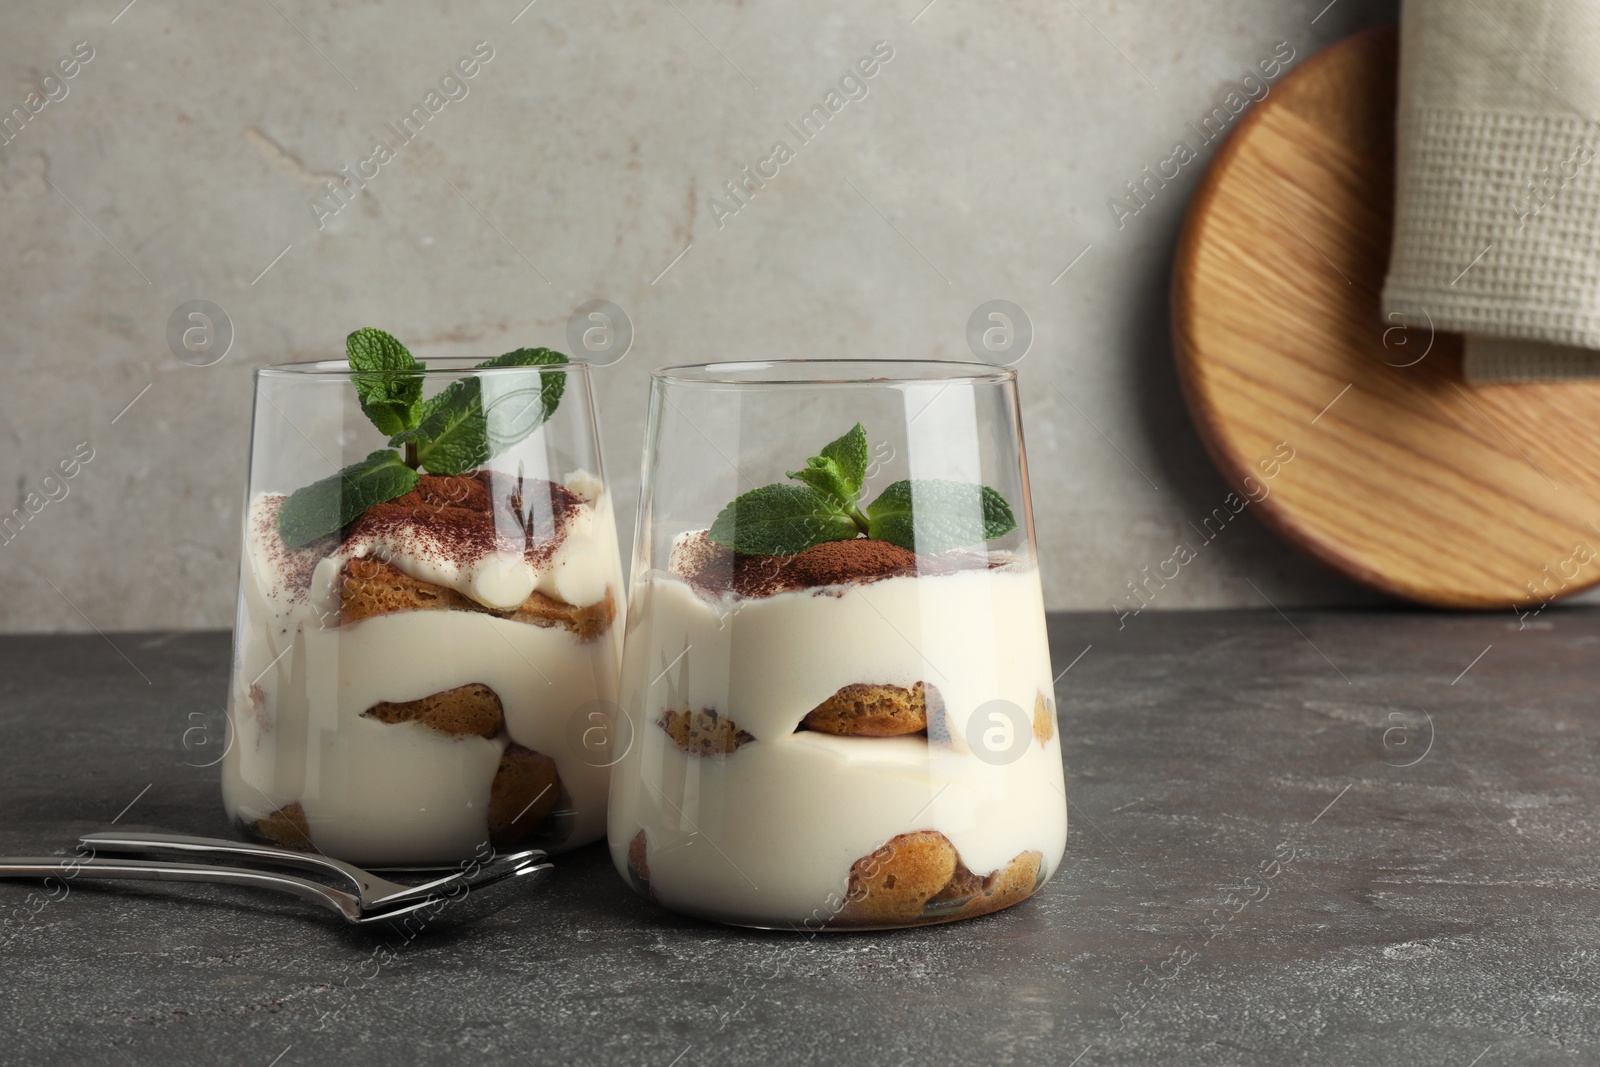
<point>402,793</point>
<point>767,834</point>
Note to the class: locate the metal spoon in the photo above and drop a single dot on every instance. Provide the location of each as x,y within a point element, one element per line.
<point>371,891</point>
<point>471,902</point>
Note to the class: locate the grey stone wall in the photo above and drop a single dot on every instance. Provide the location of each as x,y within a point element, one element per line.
<point>586,158</point>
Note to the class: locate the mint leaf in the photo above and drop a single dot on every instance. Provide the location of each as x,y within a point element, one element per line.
<point>473,418</point>
<point>780,520</point>
<point>389,399</point>
<point>933,515</point>
<point>326,507</point>
<point>926,515</point>
<point>452,436</point>
<point>838,472</point>
<point>526,357</point>
<point>825,477</point>
<point>850,454</point>
<point>513,406</point>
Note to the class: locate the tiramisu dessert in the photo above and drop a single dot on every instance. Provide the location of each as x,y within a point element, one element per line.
<point>843,716</point>
<point>418,633</point>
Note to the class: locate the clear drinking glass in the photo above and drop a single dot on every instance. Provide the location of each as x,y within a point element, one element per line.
<point>419,681</point>
<point>830,730</point>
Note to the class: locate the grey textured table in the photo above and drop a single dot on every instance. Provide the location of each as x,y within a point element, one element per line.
<point>1421,841</point>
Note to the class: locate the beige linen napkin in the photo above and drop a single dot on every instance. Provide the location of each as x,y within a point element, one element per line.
<point>1497,195</point>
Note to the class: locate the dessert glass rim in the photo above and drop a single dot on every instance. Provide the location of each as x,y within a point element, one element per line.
<point>437,366</point>
<point>768,372</point>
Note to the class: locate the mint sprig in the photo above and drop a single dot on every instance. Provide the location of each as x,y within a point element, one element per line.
<point>474,418</point>
<point>922,515</point>
<point>450,438</point>
<point>464,426</point>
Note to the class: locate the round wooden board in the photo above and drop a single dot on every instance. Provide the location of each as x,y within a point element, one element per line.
<point>1404,477</point>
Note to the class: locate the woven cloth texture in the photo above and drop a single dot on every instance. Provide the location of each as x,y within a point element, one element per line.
<point>1497,188</point>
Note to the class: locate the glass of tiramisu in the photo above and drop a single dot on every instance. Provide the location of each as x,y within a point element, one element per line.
<point>836,672</point>
<point>426,652</point>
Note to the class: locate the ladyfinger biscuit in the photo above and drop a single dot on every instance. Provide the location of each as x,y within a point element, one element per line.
<point>892,885</point>
<point>471,710</point>
<point>871,710</point>
<point>286,827</point>
<point>523,794</point>
<point>703,733</point>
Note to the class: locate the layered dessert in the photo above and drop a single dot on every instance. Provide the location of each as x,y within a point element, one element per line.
<point>855,735</point>
<point>407,688</point>
<point>424,635</point>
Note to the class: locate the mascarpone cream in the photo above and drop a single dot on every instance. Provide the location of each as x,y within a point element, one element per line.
<point>766,835</point>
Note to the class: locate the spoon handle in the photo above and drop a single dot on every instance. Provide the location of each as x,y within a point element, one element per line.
<point>70,868</point>
<point>362,882</point>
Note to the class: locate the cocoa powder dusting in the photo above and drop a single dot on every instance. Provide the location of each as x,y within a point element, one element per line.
<point>464,517</point>
<point>470,491</point>
<point>460,518</point>
<point>712,568</point>
<point>838,562</point>
<point>294,566</point>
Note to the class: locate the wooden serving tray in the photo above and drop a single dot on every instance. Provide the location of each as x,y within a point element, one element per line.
<point>1404,477</point>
